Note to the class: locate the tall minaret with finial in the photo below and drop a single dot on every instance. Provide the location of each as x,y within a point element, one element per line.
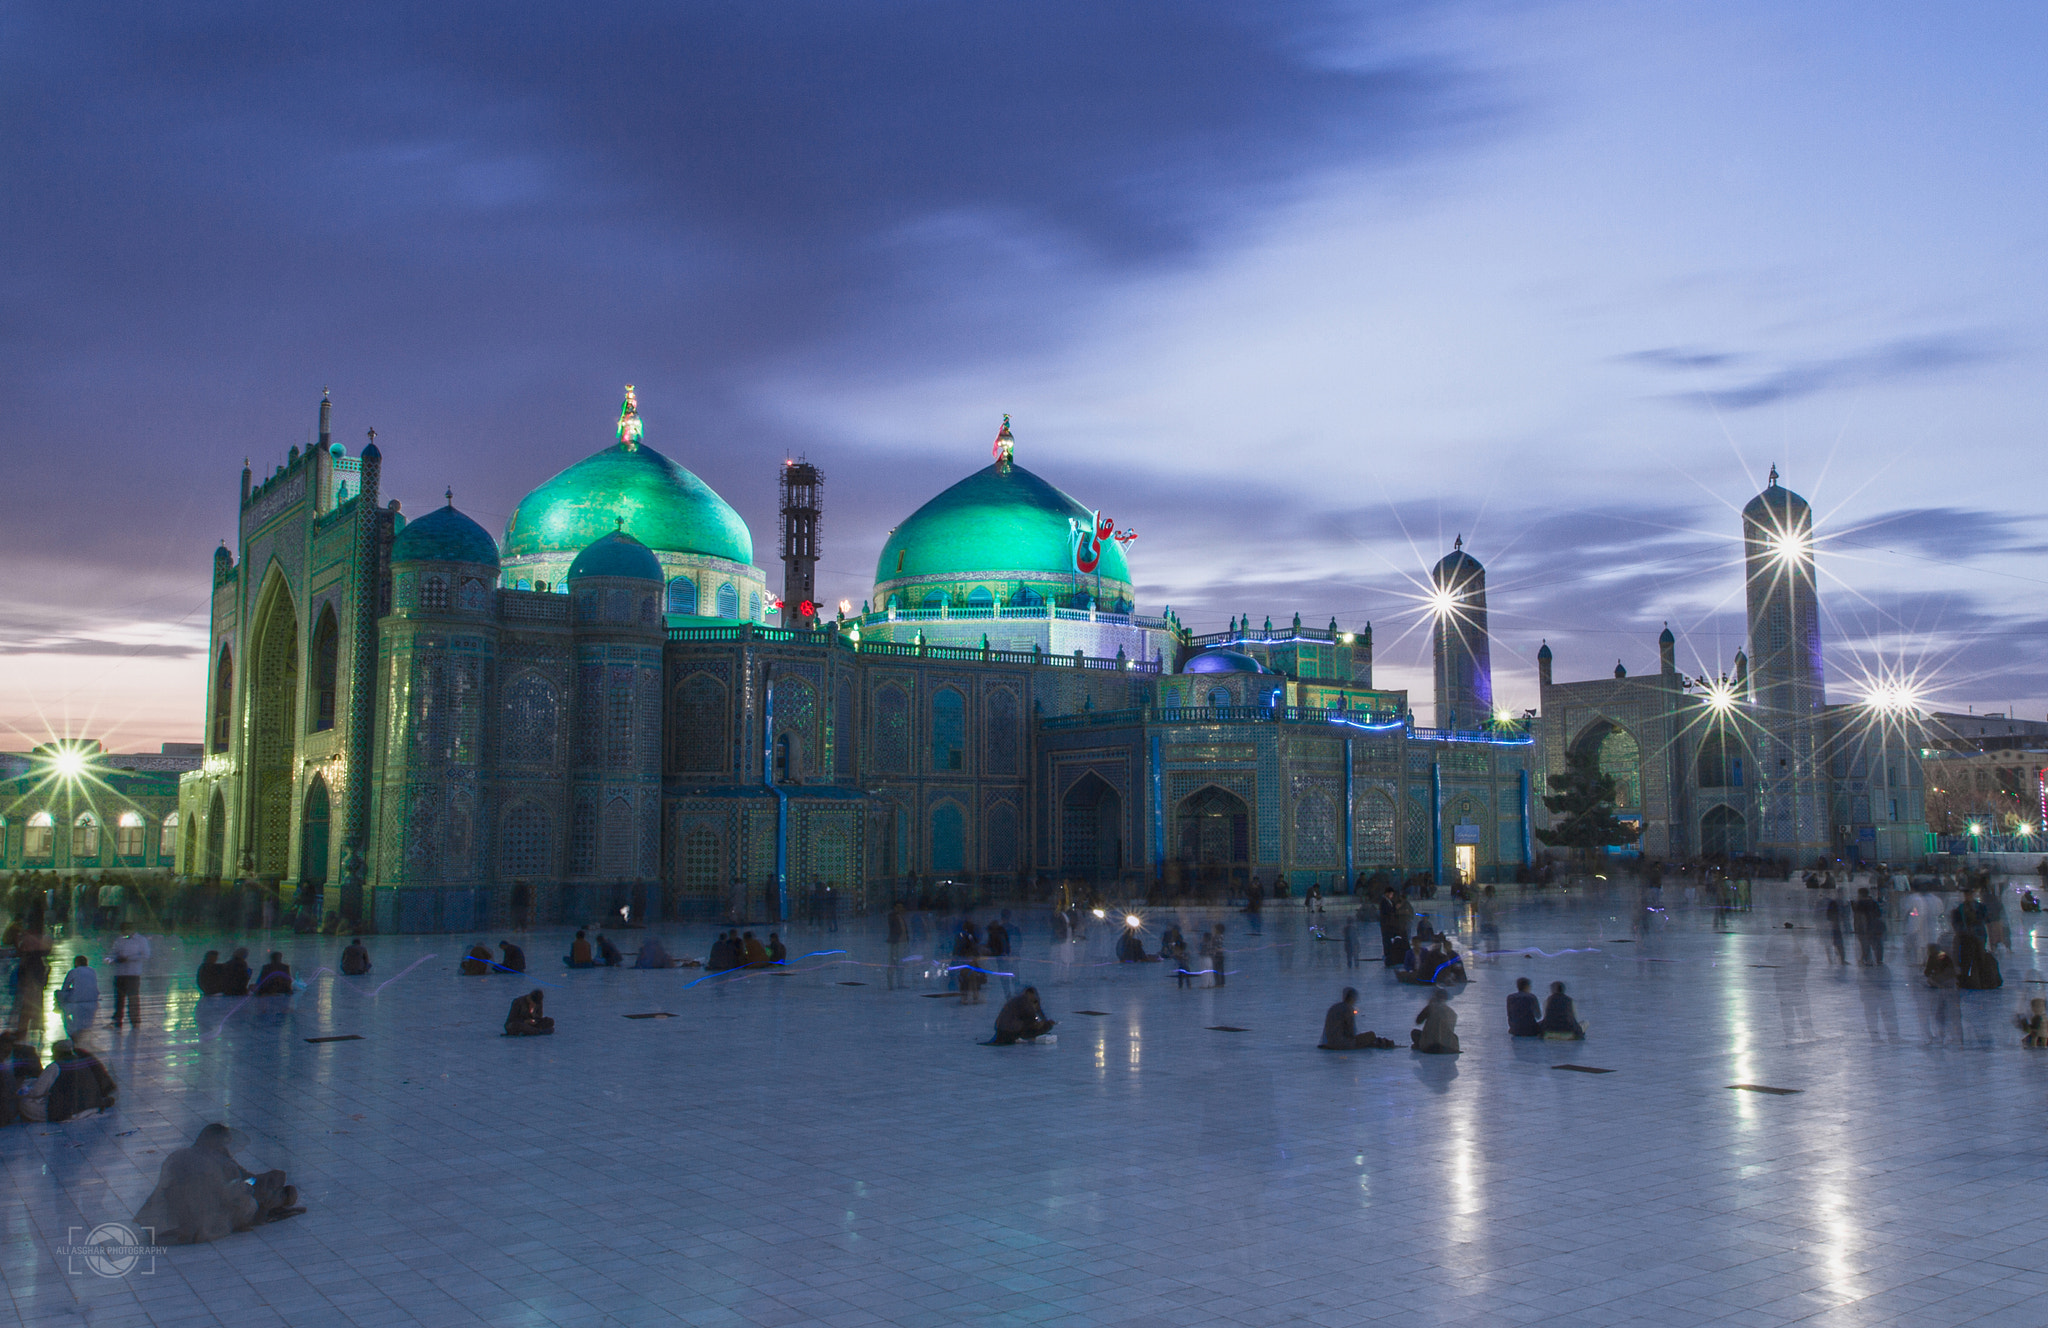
<point>1786,678</point>
<point>1464,657</point>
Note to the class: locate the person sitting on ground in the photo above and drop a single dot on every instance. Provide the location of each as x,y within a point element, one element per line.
<point>202,1194</point>
<point>1022,1019</point>
<point>212,976</point>
<point>72,1086</point>
<point>607,953</point>
<point>477,962</point>
<point>752,952</point>
<point>579,953</point>
<point>355,960</point>
<point>234,974</point>
<point>1340,1027</point>
<point>527,1018</point>
<point>1560,1018</point>
<point>653,954</point>
<point>514,960</point>
<point>1130,947</point>
<point>778,953</point>
<point>2033,1025</point>
<point>276,978</point>
<point>1437,1030</point>
<point>1525,1012</point>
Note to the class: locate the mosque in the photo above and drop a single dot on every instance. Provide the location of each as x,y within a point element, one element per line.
<point>1755,761</point>
<point>596,712</point>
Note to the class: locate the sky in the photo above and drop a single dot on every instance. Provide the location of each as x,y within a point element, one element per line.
<point>1300,293</point>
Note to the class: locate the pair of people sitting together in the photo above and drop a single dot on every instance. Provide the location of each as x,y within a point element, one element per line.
<point>1556,1019</point>
<point>478,961</point>
<point>582,955</point>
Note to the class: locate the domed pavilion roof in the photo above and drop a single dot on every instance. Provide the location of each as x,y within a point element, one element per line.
<point>444,536</point>
<point>665,506</point>
<point>1218,660</point>
<point>617,554</point>
<point>1002,519</point>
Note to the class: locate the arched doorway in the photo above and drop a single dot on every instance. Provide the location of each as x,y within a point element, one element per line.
<point>1213,831</point>
<point>1723,832</point>
<point>216,835</point>
<point>273,730</point>
<point>1092,829</point>
<point>1620,756</point>
<point>313,837</point>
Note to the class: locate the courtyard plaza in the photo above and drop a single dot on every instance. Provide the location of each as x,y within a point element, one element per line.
<point>793,1148</point>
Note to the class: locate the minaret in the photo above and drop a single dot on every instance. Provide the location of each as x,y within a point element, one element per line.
<point>1543,665</point>
<point>1667,652</point>
<point>802,505</point>
<point>1464,668</point>
<point>1785,669</point>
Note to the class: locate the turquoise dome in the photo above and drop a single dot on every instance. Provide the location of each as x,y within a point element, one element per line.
<point>617,554</point>
<point>444,536</point>
<point>1001,519</point>
<point>661,503</point>
<point>1218,660</point>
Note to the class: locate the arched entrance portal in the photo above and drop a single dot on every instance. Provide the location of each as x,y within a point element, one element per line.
<point>273,731</point>
<point>1213,831</point>
<point>216,835</point>
<point>1723,833</point>
<point>1092,829</point>
<point>313,837</point>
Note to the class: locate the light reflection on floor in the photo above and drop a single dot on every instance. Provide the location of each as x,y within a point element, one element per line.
<point>788,1150</point>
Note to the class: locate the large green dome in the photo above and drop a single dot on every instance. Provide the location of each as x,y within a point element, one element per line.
<point>663,505</point>
<point>999,520</point>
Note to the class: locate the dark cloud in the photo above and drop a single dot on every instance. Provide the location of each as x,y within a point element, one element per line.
<point>1940,533</point>
<point>1678,357</point>
<point>1906,358</point>
<point>82,645</point>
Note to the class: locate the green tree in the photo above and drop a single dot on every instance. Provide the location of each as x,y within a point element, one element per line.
<point>1581,805</point>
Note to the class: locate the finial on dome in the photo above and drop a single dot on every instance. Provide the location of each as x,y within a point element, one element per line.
<point>1006,446</point>
<point>1459,542</point>
<point>629,420</point>
<point>619,522</point>
<point>1774,476</point>
<point>449,494</point>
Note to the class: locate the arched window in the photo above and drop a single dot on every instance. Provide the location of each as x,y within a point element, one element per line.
<point>1621,758</point>
<point>1030,599</point>
<point>728,601</point>
<point>528,846</point>
<point>128,835</point>
<point>326,666</point>
<point>980,598</point>
<point>949,838</point>
<point>892,731</point>
<point>223,699</point>
<point>1219,699</point>
<point>934,600</point>
<point>85,837</point>
<point>699,729</point>
<point>40,844</point>
<point>434,595</point>
<point>949,730</point>
<point>1001,715</point>
<point>754,605</point>
<point>682,596</point>
<point>167,840</point>
<point>1375,843</point>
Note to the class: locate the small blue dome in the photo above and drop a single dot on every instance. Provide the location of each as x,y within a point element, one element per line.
<point>617,554</point>
<point>444,536</point>
<point>1218,660</point>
